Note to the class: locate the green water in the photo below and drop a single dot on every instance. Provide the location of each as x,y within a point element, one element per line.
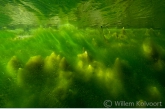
<point>80,53</point>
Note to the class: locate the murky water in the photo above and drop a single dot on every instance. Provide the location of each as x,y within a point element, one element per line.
<point>82,53</point>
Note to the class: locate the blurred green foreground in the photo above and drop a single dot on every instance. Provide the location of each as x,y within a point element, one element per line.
<point>81,68</point>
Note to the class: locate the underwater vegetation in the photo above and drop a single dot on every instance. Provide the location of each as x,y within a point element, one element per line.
<point>70,67</point>
<point>79,53</point>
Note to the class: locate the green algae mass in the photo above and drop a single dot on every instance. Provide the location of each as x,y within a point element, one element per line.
<point>79,68</point>
<point>79,53</point>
